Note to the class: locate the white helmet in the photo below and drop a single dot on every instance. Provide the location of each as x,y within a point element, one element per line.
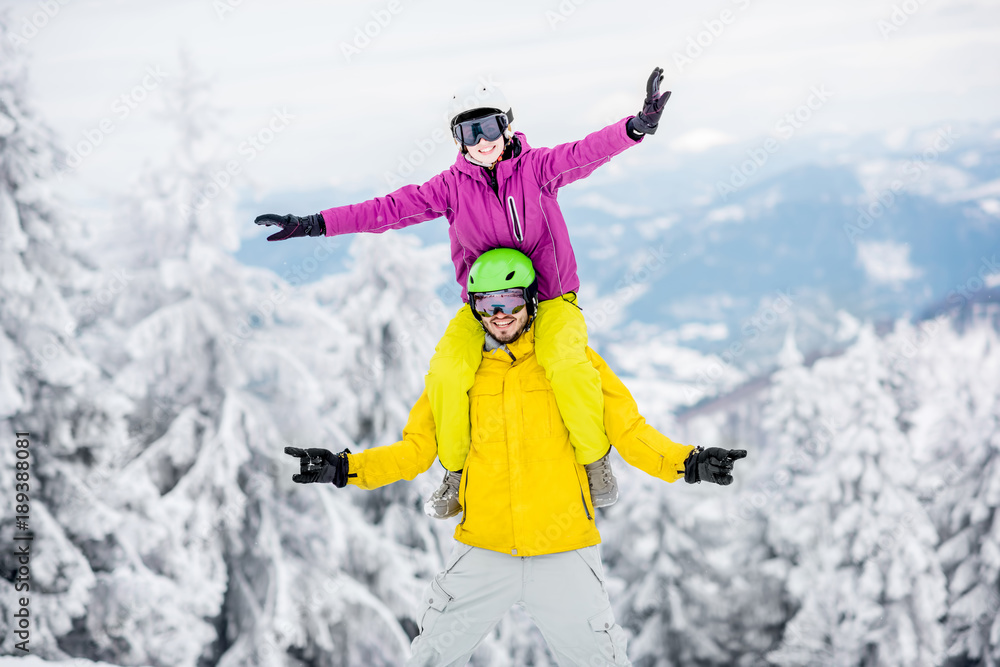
<point>479,98</point>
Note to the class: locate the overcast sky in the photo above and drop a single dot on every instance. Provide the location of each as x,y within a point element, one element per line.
<point>736,67</point>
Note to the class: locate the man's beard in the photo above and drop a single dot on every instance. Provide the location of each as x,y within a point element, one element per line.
<point>508,335</point>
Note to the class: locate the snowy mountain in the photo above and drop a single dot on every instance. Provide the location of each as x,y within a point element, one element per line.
<point>854,226</point>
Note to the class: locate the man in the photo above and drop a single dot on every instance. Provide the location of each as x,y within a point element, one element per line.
<point>527,534</point>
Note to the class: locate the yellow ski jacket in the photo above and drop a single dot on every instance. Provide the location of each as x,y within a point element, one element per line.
<point>523,492</point>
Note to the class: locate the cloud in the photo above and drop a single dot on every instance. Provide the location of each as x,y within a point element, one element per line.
<point>699,140</point>
<point>886,262</point>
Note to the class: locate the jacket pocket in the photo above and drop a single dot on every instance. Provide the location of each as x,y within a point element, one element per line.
<point>458,552</point>
<point>656,458</point>
<point>486,411</point>
<point>538,409</point>
<point>592,557</point>
<point>610,637</point>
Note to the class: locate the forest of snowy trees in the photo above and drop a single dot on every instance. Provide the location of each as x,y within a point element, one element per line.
<point>160,380</point>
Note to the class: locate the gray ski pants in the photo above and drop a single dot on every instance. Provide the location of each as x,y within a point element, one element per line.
<point>563,593</point>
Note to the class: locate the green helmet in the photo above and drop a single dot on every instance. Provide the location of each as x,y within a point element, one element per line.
<point>500,268</point>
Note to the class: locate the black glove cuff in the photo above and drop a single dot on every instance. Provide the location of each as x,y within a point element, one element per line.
<point>691,475</point>
<point>315,225</point>
<point>633,134</point>
<point>641,123</point>
<point>341,469</point>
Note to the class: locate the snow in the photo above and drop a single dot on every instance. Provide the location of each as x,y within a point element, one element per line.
<point>789,355</point>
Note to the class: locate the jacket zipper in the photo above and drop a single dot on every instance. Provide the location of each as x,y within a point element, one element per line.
<point>465,495</point>
<point>583,499</point>
<point>514,220</point>
<point>493,180</point>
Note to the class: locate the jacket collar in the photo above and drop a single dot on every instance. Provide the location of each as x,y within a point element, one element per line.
<point>520,348</point>
<point>475,170</point>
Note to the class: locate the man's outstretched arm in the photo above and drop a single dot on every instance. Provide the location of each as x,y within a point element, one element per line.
<point>405,459</point>
<point>644,447</point>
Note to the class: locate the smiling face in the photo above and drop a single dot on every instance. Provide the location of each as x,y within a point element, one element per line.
<point>506,328</point>
<point>486,152</point>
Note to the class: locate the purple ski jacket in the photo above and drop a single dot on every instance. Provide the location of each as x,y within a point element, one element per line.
<point>521,214</point>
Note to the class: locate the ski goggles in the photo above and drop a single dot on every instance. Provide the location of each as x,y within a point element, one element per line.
<point>490,128</point>
<point>508,301</point>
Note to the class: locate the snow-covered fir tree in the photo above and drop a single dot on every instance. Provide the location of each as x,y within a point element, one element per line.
<point>949,387</point>
<point>231,366</point>
<point>665,577</point>
<point>863,575</point>
<point>48,387</point>
<point>174,535</point>
<point>688,562</point>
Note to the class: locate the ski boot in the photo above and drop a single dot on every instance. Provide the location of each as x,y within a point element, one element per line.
<point>603,485</point>
<point>443,503</point>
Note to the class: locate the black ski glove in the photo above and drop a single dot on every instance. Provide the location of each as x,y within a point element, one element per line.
<point>321,465</point>
<point>711,465</point>
<point>293,225</point>
<point>645,121</point>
